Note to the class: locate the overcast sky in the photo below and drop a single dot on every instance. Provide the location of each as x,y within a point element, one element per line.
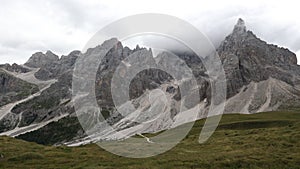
<point>65,25</point>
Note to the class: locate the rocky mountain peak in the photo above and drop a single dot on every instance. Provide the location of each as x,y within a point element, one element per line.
<point>51,55</point>
<point>237,38</point>
<point>240,27</point>
<point>40,59</point>
<point>246,59</point>
<point>112,42</point>
<point>107,44</point>
<point>247,46</point>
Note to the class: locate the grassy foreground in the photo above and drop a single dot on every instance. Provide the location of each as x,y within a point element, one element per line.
<point>264,140</point>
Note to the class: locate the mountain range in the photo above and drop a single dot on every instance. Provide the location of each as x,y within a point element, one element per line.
<point>37,105</point>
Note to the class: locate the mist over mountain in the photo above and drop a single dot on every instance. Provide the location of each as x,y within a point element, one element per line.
<point>36,98</point>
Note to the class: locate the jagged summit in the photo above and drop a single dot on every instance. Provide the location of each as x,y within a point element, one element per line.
<point>40,59</point>
<point>246,59</point>
<point>240,27</point>
<point>50,53</point>
<point>106,45</point>
<point>241,40</point>
<point>111,42</point>
<point>240,22</point>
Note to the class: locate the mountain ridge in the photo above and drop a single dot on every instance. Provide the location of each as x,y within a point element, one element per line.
<point>260,77</point>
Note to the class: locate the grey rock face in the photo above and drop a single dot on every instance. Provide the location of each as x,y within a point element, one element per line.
<point>14,68</point>
<point>50,65</point>
<point>9,122</point>
<point>13,89</point>
<point>58,67</point>
<point>40,59</point>
<point>246,58</point>
<point>51,103</point>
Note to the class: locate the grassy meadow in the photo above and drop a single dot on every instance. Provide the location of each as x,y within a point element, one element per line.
<point>264,140</point>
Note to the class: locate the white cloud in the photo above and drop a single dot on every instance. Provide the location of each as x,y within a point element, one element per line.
<point>66,25</point>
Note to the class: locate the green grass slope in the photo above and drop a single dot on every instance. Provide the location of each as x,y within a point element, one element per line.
<point>264,140</point>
